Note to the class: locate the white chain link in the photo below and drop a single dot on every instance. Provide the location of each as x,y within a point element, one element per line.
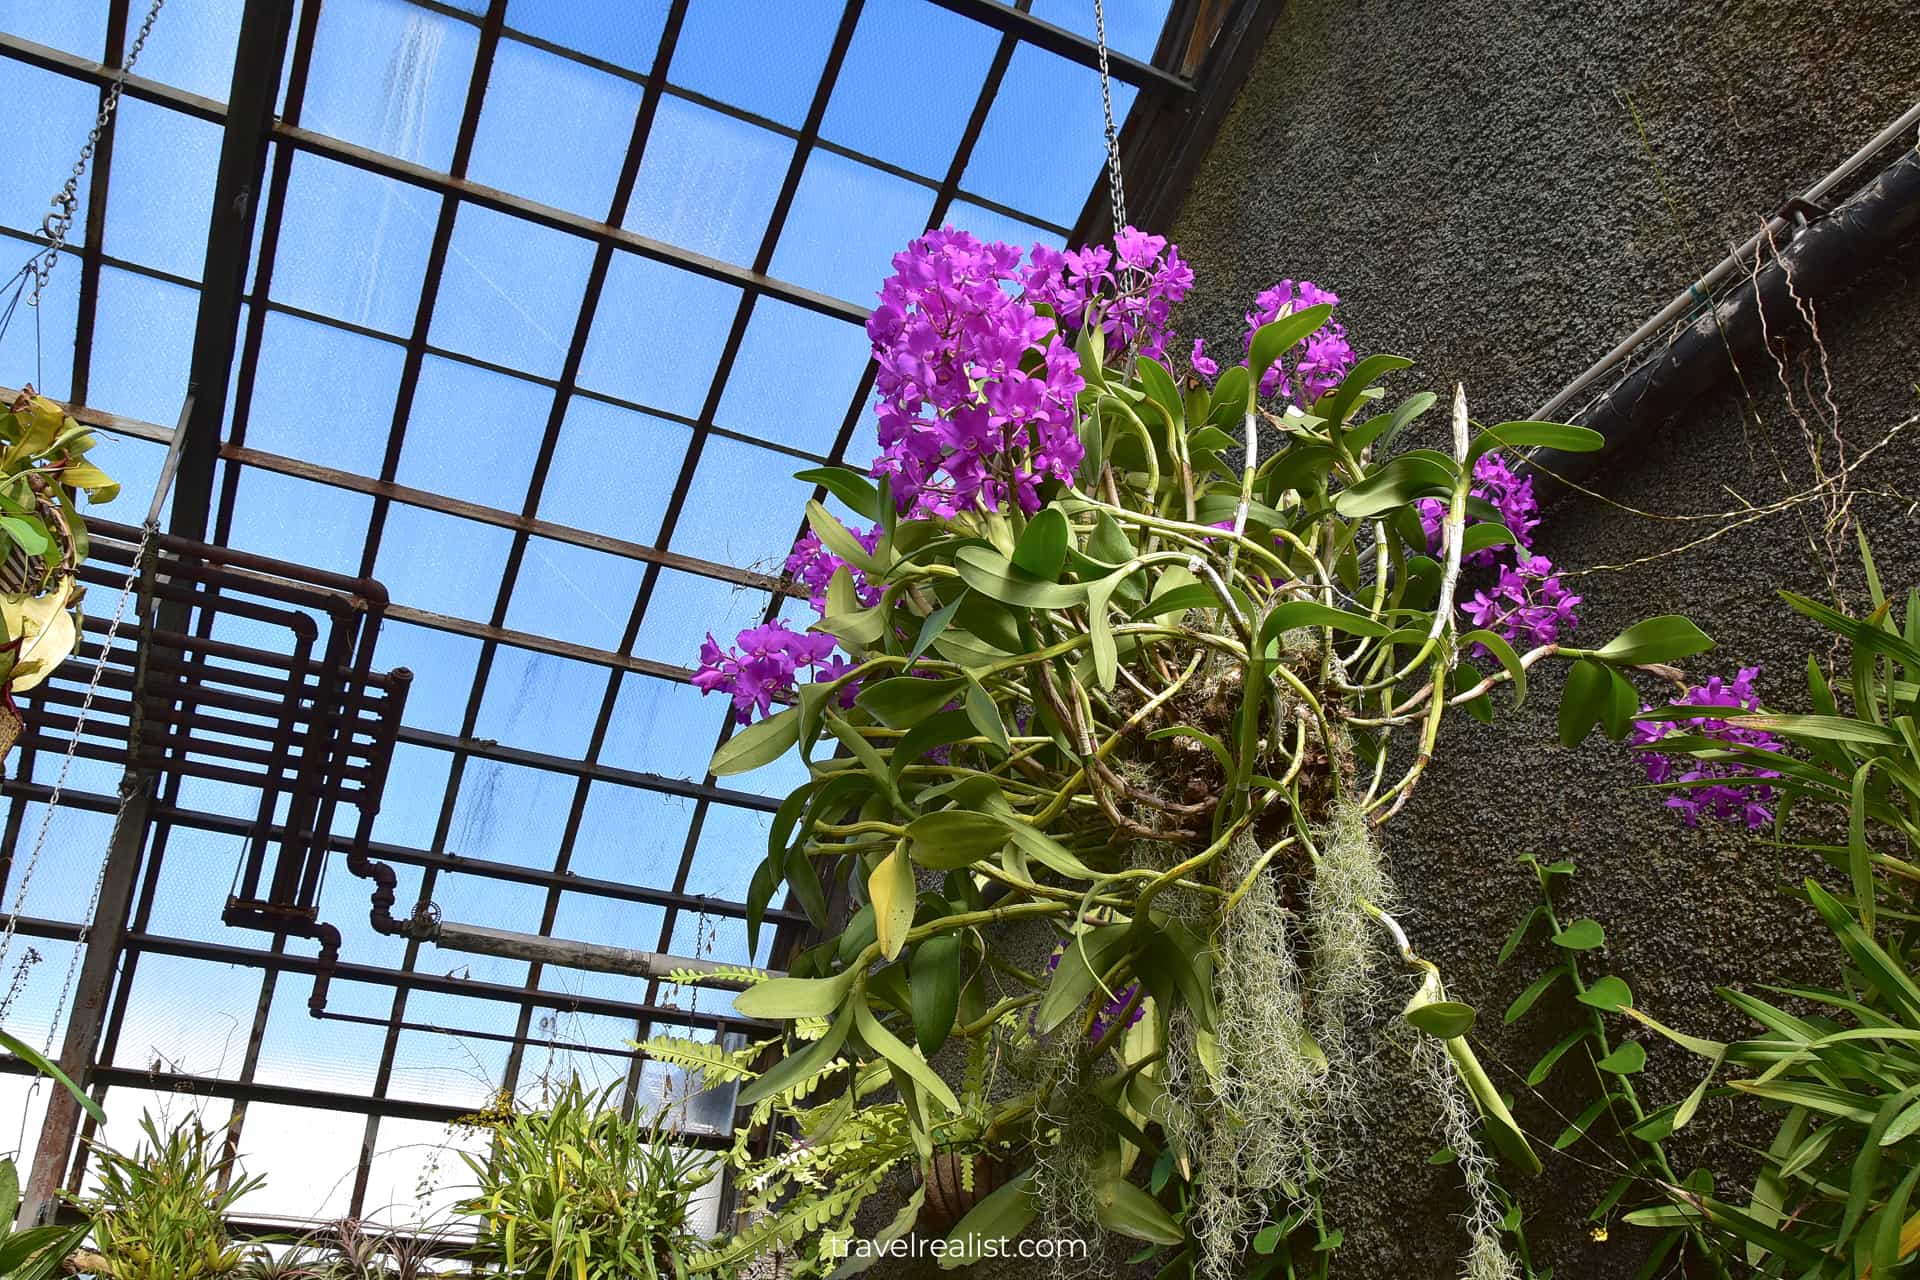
<point>66,201</point>
<point>1115,187</point>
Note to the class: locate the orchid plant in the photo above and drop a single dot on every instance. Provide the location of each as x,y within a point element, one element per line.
<point>1142,656</point>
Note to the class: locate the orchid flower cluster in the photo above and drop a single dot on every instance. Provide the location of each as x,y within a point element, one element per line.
<point>1314,366</point>
<point>813,566</point>
<point>1528,605</point>
<point>1132,287</point>
<point>764,665</point>
<point>1743,792</point>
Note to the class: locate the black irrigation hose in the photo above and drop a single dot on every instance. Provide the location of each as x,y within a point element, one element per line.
<point>1825,255</point>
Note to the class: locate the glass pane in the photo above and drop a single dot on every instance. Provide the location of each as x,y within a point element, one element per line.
<point>764,398</point>
<point>142,346</point>
<point>510,292</point>
<point>613,470</point>
<point>473,433</point>
<point>708,181</point>
<point>553,129</point>
<point>462,1071</point>
<point>1132,28</point>
<point>686,607</point>
<point>61,879</point>
<point>541,702</point>
<point>894,35</point>
<point>442,664</point>
<point>38,346</point>
<point>823,249</point>
<point>716,524</point>
<point>74,28</point>
<point>192,45</point>
<point>308,1157</point>
<point>300,521</point>
<point>191,1016</point>
<point>441,563</point>
<point>733,841</point>
<point>62,111</point>
<point>678,320</point>
<point>184,905</point>
<point>391,76</point>
<point>38,1016</point>
<point>988,224</point>
<point>417,1174</point>
<point>623,32</point>
<point>353,244</point>
<point>663,727</point>
<point>630,835</point>
<point>784,45</point>
<point>1043,145</point>
<point>305,1052</point>
<point>508,813</point>
<point>416,792</point>
<point>323,394</point>
<point>571,593</point>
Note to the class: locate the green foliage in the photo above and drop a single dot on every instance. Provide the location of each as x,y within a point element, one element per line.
<point>577,1189</point>
<point>37,1252</point>
<point>1615,1107</point>
<point>160,1210</point>
<point>43,470</point>
<point>1114,719</point>
<point>1840,1063</point>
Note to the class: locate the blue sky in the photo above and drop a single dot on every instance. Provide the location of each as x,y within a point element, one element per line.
<point>393,76</point>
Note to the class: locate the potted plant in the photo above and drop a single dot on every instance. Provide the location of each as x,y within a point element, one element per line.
<point>43,469</point>
<point>1142,656</point>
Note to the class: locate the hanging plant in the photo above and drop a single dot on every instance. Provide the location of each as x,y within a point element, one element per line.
<point>43,540</point>
<point>1143,657</point>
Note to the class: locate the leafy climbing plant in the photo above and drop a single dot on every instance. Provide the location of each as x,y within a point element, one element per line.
<point>1143,660</point>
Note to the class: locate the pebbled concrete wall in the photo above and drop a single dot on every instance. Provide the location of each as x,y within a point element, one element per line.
<point>1472,180</point>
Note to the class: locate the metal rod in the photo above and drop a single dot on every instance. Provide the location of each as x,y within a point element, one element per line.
<point>1699,292</point>
<point>598,957</point>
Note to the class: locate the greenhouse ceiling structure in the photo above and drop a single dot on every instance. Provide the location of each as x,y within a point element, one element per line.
<point>486,318</point>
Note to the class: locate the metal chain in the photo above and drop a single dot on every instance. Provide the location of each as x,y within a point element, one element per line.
<point>66,201</point>
<point>60,781</point>
<point>1115,187</point>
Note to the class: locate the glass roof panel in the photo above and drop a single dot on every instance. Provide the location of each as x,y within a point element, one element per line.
<point>142,345</point>
<point>300,520</point>
<point>781,48</point>
<point>630,835</point>
<point>588,484</point>
<point>473,433</point>
<point>574,593</point>
<point>823,249</point>
<point>38,345</point>
<point>685,607</point>
<point>743,508</point>
<point>353,244</point>
<point>658,335</point>
<point>553,129</point>
<point>71,28</point>
<point>39,158</point>
<point>540,701</point>
<point>763,397</point>
<point>623,32</point>
<point>869,110</point>
<point>1132,28</point>
<point>409,815</point>
<point>441,563</point>
<point>1044,141</point>
<point>662,726</point>
<point>510,813</point>
<point>707,181</point>
<point>390,76</point>
<point>304,365</point>
<point>442,664</point>
<point>510,291</point>
<point>991,224</point>
<point>192,46</point>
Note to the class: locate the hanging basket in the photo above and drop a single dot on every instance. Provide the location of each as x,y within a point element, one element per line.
<point>948,1197</point>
